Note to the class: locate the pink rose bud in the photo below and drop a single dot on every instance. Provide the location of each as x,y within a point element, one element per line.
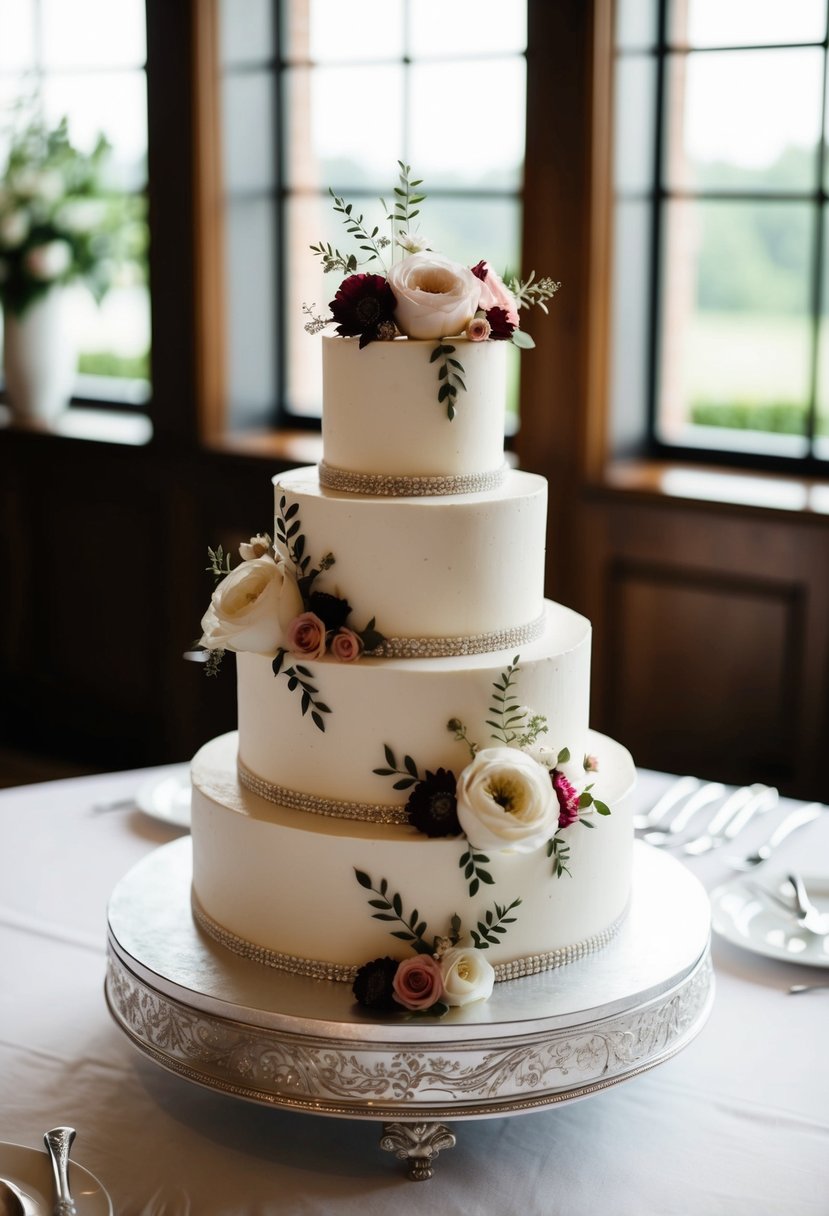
<point>591,764</point>
<point>306,635</point>
<point>346,646</point>
<point>478,329</point>
<point>418,982</point>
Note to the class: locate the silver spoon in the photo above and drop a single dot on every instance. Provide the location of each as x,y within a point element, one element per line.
<point>58,1143</point>
<point>808,915</point>
<point>13,1202</point>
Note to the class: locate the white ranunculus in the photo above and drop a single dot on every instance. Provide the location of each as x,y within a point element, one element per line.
<point>252,608</point>
<point>49,260</point>
<point>506,801</point>
<point>434,296</point>
<point>14,228</point>
<point>467,976</point>
<point>257,546</point>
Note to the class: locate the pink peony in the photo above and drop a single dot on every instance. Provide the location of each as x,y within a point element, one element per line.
<point>418,982</point>
<point>495,293</point>
<point>568,798</point>
<point>306,635</point>
<point>346,646</point>
<point>478,329</point>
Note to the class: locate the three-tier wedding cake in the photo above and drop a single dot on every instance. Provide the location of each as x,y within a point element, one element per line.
<point>406,803</point>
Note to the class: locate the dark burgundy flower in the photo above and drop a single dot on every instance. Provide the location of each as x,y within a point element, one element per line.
<point>433,807</point>
<point>480,271</point>
<point>373,984</point>
<point>499,323</point>
<point>332,610</point>
<point>363,305</point>
<point>568,798</point>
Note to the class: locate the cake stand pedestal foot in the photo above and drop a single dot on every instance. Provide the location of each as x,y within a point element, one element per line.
<point>417,1143</point>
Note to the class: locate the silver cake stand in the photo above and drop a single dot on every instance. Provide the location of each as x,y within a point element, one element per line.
<point>244,1029</point>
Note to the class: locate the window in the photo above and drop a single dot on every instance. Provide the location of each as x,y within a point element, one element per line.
<point>318,94</point>
<point>722,273</point>
<point>85,61</point>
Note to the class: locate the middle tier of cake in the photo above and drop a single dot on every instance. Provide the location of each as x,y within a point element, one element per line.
<point>403,704</point>
<point>464,571</point>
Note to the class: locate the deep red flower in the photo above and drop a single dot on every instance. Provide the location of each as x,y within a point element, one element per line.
<point>433,806</point>
<point>480,271</point>
<point>568,798</point>
<point>363,303</point>
<point>373,984</point>
<point>499,322</point>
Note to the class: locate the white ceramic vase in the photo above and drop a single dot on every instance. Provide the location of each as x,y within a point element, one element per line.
<point>40,357</point>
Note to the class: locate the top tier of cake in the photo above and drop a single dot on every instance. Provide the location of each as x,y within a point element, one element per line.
<point>382,419</point>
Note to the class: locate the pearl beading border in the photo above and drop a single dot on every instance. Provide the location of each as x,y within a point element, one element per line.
<point>531,964</point>
<point>295,800</point>
<point>446,648</point>
<point>399,485</point>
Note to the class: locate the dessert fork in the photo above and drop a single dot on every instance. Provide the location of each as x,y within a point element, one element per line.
<point>800,909</point>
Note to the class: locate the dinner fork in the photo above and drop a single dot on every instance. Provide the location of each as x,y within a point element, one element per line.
<point>704,796</point>
<point>800,909</point>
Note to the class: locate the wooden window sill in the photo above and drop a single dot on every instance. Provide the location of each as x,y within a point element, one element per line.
<point>650,479</point>
<point>91,425</point>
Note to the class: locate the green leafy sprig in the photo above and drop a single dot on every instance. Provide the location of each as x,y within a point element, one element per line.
<point>219,562</point>
<point>409,774</point>
<point>493,926</point>
<point>332,259</point>
<point>213,662</point>
<point>457,728</point>
<point>299,677</point>
<point>512,724</point>
<point>406,200</point>
<point>472,864</point>
<point>355,226</point>
<point>390,908</point>
<point>559,849</point>
<point>531,291</point>
<point>589,804</point>
<point>450,376</point>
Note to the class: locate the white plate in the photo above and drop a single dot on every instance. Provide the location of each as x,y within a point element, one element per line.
<point>166,795</point>
<point>741,915</point>
<point>29,1169</point>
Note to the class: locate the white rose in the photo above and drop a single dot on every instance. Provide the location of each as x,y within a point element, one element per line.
<point>48,261</point>
<point>14,228</point>
<point>435,297</point>
<point>467,976</point>
<point>506,801</point>
<point>252,607</point>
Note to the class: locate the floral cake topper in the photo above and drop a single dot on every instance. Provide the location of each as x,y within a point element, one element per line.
<point>411,291</point>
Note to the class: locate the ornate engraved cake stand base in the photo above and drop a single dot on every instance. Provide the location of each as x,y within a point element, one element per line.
<point>244,1029</point>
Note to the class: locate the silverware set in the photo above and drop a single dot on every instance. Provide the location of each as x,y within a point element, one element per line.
<point>676,819</point>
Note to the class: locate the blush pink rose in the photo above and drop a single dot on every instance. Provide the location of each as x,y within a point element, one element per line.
<point>346,646</point>
<point>418,982</point>
<point>478,329</point>
<point>306,635</point>
<point>495,293</point>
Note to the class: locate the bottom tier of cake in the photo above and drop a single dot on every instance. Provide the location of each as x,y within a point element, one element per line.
<point>302,892</point>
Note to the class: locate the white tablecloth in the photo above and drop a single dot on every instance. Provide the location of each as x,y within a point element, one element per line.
<point>738,1123</point>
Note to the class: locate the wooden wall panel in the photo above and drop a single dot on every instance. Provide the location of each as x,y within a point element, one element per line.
<point>707,672</point>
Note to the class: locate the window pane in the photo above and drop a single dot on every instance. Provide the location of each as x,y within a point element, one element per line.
<point>245,31</point>
<point>822,422</point>
<point>112,104</point>
<point>735,329</point>
<point>727,128</point>
<point>249,145</point>
<point>17,42</point>
<point>634,115</point>
<point>325,146</point>
<point>630,313</point>
<point>746,22</point>
<point>490,153</point>
<point>91,33</point>
<point>329,31</point>
<point>251,312</point>
<point>445,27</point>
<point>637,24</point>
